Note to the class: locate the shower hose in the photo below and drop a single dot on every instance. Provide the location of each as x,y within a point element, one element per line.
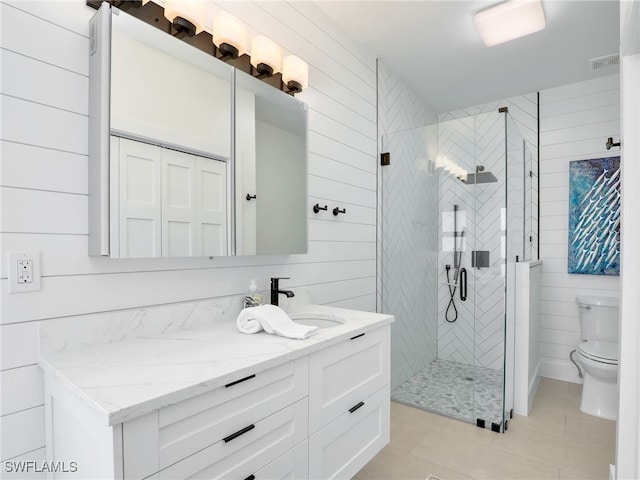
<point>462,278</point>
<point>452,304</point>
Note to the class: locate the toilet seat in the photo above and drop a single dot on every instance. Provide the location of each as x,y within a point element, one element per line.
<point>602,352</point>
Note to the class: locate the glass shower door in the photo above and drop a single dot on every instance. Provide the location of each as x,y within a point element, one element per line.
<point>409,252</point>
<point>489,267</point>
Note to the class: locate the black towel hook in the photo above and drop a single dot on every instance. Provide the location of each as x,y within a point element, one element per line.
<point>249,197</point>
<point>611,144</point>
<point>317,208</point>
<point>336,211</point>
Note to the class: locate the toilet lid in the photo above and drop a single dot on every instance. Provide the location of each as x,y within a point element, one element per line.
<point>604,352</point>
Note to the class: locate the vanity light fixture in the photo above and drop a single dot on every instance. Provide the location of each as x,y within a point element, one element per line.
<point>266,56</point>
<point>295,74</point>
<point>509,20</point>
<point>229,35</point>
<point>185,16</point>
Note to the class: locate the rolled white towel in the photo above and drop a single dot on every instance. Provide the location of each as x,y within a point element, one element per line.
<point>272,319</point>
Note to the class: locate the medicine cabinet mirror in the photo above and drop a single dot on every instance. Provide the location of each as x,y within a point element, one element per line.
<point>164,177</point>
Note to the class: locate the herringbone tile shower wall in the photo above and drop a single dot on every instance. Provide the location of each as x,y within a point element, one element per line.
<point>471,137</point>
<point>523,111</point>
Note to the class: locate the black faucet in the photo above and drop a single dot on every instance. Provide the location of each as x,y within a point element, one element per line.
<point>275,290</point>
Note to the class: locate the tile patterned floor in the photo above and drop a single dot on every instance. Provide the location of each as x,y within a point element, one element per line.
<point>556,441</point>
<point>456,390</point>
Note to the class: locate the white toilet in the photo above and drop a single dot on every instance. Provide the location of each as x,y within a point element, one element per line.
<point>598,355</point>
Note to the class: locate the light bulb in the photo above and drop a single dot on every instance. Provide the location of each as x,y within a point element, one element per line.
<point>266,55</point>
<point>186,16</point>
<point>229,34</point>
<point>295,73</point>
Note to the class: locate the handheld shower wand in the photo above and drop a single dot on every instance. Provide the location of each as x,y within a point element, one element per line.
<point>451,313</point>
<point>457,255</point>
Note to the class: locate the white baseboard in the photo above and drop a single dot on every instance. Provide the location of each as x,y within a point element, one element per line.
<point>559,370</point>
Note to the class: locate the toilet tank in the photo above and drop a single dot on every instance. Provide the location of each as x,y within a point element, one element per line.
<point>598,318</point>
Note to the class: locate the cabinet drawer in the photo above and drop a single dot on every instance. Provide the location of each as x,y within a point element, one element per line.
<point>246,454</point>
<point>165,437</point>
<point>346,373</point>
<point>342,448</point>
<point>196,423</point>
<point>293,465</point>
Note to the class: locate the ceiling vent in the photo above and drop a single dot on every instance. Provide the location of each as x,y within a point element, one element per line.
<point>607,61</point>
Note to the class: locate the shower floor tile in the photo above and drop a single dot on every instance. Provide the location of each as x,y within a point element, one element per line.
<point>454,389</point>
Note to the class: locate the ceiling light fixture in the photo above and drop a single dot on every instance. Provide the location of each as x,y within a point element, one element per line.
<point>266,56</point>
<point>185,16</point>
<point>229,35</point>
<point>509,20</point>
<point>295,74</point>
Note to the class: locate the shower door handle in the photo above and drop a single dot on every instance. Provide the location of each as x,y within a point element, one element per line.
<point>463,284</point>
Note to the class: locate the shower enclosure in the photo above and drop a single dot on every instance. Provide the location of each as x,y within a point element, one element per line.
<point>456,209</point>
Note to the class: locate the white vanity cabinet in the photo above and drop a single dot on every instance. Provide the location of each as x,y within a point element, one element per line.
<point>321,413</point>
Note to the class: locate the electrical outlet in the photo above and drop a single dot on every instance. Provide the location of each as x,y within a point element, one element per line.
<point>24,271</point>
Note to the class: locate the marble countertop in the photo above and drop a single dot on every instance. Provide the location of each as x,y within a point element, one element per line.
<point>124,380</point>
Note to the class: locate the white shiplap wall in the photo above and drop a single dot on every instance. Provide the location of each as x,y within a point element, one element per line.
<point>43,189</point>
<point>575,121</point>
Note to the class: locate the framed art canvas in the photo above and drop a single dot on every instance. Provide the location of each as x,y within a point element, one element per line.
<point>594,216</point>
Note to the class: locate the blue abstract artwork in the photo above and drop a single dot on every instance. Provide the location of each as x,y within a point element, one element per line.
<point>594,216</point>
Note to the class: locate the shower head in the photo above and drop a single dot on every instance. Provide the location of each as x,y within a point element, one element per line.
<point>479,177</point>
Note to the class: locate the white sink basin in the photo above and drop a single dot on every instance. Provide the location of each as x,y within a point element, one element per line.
<point>318,322</point>
<point>316,319</point>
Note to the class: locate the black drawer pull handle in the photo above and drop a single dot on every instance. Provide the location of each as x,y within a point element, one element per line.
<point>238,433</point>
<point>240,381</point>
<point>357,336</point>
<point>355,407</point>
<point>251,477</point>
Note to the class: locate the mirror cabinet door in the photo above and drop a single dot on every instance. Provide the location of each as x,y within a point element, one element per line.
<point>164,178</point>
<point>271,168</point>
<point>170,143</point>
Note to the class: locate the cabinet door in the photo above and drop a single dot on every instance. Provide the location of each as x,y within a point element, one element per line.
<point>342,448</point>
<point>345,374</point>
<point>139,207</point>
<point>178,204</point>
<point>211,211</point>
